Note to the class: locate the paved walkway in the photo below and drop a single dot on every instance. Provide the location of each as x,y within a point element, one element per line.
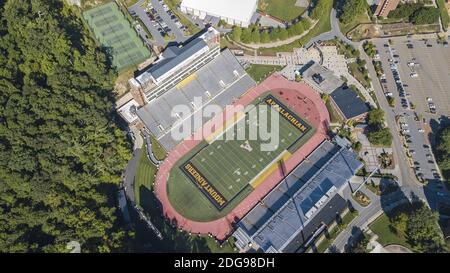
<point>151,156</point>
<point>299,56</point>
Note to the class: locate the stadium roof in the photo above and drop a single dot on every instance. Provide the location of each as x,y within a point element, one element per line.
<point>241,10</point>
<point>295,208</point>
<point>173,57</point>
<point>220,82</point>
<point>348,101</point>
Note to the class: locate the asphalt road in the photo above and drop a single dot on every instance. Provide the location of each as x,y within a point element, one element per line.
<point>130,173</point>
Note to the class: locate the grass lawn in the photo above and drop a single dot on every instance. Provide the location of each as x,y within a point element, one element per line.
<point>334,117</point>
<point>359,76</point>
<point>324,25</point>
<point>158,150</point>
<point>362,18</point>
<point>145,174</point>
<point>285,10</point>
<point>174,240</point>
<point>386,234</point>
<point>260,72</point>
<point>444,14</point>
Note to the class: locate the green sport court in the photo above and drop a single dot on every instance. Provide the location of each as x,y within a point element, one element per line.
<point>113,31</point>
<point>214,177</point>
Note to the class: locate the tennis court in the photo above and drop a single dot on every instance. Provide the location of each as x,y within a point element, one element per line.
<point>112,30</point>
<point>219,173</point>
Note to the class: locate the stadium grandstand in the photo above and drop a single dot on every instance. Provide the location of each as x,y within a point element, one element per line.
<point>300,207</point>
<point>194,75</point>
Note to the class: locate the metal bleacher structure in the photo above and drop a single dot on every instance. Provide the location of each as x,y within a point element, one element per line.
<point>302,204</point>
<point>194,75</point>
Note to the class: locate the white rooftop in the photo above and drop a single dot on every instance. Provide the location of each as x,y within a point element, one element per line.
<point>241,10</point>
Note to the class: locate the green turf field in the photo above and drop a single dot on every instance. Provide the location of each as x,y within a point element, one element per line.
<point>282,9</point>
<point>112,30</point>
<point>222,169</point>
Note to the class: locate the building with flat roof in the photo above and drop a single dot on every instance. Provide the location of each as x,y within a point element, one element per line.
<point>192,75</point>
<point>384,7</point>
<point>320,78</point>
<point>176,64</point>
<point>302,205</point>
<point>234,12</point>
<point>348,104</point>
<point>219,82</point>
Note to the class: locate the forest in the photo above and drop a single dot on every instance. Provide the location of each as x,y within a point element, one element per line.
<point>61,151</point>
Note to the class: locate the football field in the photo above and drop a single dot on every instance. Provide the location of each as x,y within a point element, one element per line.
<point>222,171</point>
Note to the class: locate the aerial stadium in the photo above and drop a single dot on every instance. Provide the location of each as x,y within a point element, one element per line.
<point>208,183</point>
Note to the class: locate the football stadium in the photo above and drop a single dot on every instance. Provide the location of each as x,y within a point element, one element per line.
<point>208,183</point>
<point>220,172</point>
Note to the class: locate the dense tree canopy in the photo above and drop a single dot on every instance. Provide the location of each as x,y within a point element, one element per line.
<point>443,152</point>
<point>351,9</point>
<point>61,154</point>
<point>424,232</point>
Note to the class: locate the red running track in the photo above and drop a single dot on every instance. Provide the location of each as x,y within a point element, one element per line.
<point>300,98</point>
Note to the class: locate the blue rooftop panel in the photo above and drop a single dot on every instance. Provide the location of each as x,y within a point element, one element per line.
<point>306,205</point>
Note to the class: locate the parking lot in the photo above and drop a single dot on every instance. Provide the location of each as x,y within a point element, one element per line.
<point>417,75</point>
<point>417,147</point>
<point>163,25</point>
<point>424,70</point>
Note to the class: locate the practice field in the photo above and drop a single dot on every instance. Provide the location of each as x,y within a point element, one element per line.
<point>114,32</point>
<point>219,173</point>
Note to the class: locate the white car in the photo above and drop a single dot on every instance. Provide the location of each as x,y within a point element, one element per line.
<point>421,130</point>
<point>429,99</point>
<point>388,94</point>
<point>414,75</point>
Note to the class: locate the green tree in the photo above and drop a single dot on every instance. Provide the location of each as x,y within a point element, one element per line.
<point>319,9</point>
<point>246,36</point>
<point>237,33</point>
<point>400,222</point>
<point>375,117</point>
<point>424,232</point>
<point>298,28</point>
<point>256,37</point>
<point>381,137</point>
<point>360,246</point>
<point>425,15</point>
<point>284,34</point>
<point>61,153</point>
<point>443,152</point>
<point>351,9</point>
<point>265,36</point>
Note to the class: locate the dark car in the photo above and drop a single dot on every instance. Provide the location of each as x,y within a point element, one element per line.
<point>428,45</point>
